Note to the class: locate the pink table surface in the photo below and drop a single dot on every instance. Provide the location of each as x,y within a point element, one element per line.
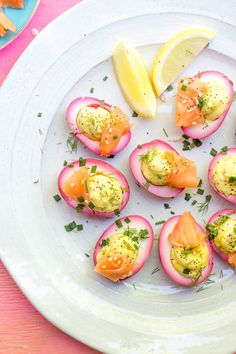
<point>22,329</point>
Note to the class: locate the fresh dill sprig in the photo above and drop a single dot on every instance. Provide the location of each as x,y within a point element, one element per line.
<point>71,142</point>
<point>156,270</point>
<point>203,207</point>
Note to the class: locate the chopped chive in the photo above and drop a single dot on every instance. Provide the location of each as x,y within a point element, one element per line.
<point>143,234</point>
<point>65,163</point>
<point>37,181</point>
<point>119,223</point>
<point>93,169</point>
<point>91,90</point>
<point>152,216</point>
<point>134,114</point>
<point>82,161</point>
<point>183,87</point>
<point>72,142</point>
<point>101,103</point>
<point>139,146</point>
<point>160,222</point>
<point>185,136</point>
<point>79,227</point>
<point>81,199</point>
<point>165,132</point>
<point>156,270</point>
<point>200,191</point>
<point>57,197</point>
<point>105,242</point>
<point>187,197</point>
<point>200,183</point>
<point>86,186</point>
<point>194,202</point>
<point>71,226</point>
<point>197,142</point>
<point>224,150</point>
<point>127,220</point>
<point>170,88</point>
<point>213,152</point>
<point>208,197</point>
<point>91,205</point>
<point>39,114</point>
<point>115,137</point>
<point>234,95</point>
<point>86,254</point>
<point>79,208</point>
<point>182,80</point>
<point>172,212</point>
<point>186,142</point>
<point>186,271</point>
<point>117,212</point>
<point>201,102</point>
<point>166,206</point>
<point>70,165</point>
<point>105,78</point>
<point>232,179</point>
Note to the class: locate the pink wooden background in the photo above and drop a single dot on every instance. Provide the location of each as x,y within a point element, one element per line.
<point>22,329</point>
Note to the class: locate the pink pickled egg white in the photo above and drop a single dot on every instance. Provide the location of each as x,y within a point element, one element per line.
<point>212,220</point>
<point>145,249</point>
<point>230,198</point>
<point>164,248</point>
<point>201,131</point>
<point>135,166</point>
<point>72,112</point>
<point>102,166</point>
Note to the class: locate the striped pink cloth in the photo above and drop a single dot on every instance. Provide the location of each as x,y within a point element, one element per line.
<point>22,329</point>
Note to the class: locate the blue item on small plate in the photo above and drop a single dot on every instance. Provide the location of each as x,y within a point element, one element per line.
<point>20,17</point>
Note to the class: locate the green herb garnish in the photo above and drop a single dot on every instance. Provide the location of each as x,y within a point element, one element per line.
<point>65,163</point>
<point>93,169</point>
<point>81,199</point>
<point>160,222</point>
<point>72,142</point>
<point>186,271</point>
<point>213,152</point>
<point>201,102</point>
<point>170,88</point>
<point>165,132</point>
<point>183,87</point>
<point>105,78</point>
<point>101,103</point>
<point>91,90</point>
<point>139,146</point>
<point>117,212</point>
<point>71,226</point>
<point>39,114</point>
<point>187,197</point>
<point>82,161</point>
<point>57,197</point>
<point>143,234</point>
<point>200,191</point>
<point>200,183</point>
<point>166,206</point>
<point>194,202</point>
<point>127,220</point>
<point>79,208</point>
<point>232,179</point>
<point>156,270</point>
<point>224,150</point>
<point>91,205</point>
<point>119,223</point>
<point>80,227</point>
<point>134,114</point>
<point>105,242</point>
<point>203,207</point>
<point>115,137</point>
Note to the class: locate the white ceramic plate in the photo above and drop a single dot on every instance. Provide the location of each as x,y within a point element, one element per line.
<point>148,313</point>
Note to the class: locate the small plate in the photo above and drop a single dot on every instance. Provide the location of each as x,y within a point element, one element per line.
<point>21,18</point>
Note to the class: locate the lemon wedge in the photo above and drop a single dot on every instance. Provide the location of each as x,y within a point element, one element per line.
<point>176,54</point>
<point>134,80</point>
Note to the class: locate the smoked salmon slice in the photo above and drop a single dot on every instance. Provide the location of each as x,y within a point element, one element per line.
<point>188,110</point>
<point>114,268</point>
<point>77,185</point>
<point>17,4</point>
<point>113,131</point>
<point>5,24</point>
<point>185,232</point>
<point>232,259</point>
<point>183,172</point>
